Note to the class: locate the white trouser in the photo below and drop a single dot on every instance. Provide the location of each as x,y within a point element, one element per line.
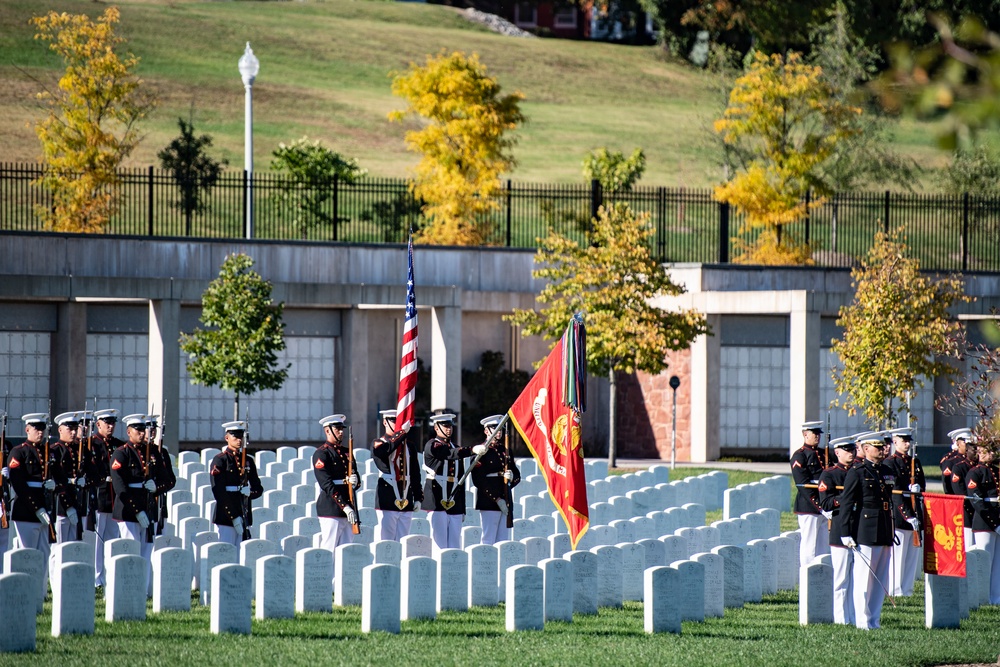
<point>815,539</point>
<point>334,531</point>
<point>4,543</point>
<point>107,529</point>
<point>65,531</point>
<point>130,530</point>
<point>843,585</point>
<point>229,535</point>
<point>393,525</point>
<point>868,591</point>
<point>33,535</point>
<point>494,525</point>
<point>988,541</point>
<point>967,533</point>
<point>904,564</point>
<point>446,530</point>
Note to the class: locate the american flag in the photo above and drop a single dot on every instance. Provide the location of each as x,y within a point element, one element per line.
<point>408,360</point>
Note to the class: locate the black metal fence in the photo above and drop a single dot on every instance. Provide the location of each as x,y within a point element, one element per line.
<point>945,232</point>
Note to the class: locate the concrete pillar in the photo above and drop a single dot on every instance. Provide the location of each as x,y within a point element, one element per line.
<point>164,366</point>
<point>68,369</point>
<point>446,357</point>
<point>803,396</point>
<point>706,360</point>
<point>350,391</point>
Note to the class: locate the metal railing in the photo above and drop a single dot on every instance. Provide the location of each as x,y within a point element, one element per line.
<point>945,232</point>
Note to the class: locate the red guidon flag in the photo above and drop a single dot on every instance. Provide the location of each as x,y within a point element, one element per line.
<point>944,537</point>
<point>552,431</point>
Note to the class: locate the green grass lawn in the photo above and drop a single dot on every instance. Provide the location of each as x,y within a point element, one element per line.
<point>325,72</point>
<point>766,633</point>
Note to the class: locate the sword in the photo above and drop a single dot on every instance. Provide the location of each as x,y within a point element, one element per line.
<point>857,549</point>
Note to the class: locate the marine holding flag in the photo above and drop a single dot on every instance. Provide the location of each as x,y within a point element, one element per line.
<point>547,415</point>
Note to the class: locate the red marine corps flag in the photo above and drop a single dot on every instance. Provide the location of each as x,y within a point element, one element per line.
<point>944,537</point>
<point>547,415</point>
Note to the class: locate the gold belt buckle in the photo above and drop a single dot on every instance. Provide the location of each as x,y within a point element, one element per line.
<point>885,507</point>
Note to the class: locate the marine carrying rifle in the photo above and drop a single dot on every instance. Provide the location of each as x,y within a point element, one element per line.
<point>246,513</point>
<point>82,494</point>
<point>356,525</point>
<point>51,498</point>
<point>4,493</point>
<point>161,508</point>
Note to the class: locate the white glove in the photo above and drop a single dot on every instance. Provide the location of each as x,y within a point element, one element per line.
<point>913,521</point>
<point>353,479</point>
<point>508,476</point>
<point>238,526</point>
<point>81,481</point>
<point>503,507</point>
<point>142,520</point>
<point>848,542</point>
<point>43,517</point>
<point>406,427</point>
<point>5,471</point>
<point>479,450</point>
<point>827,515</point>
<point>352,516</point>
<point>416,506</point>
<point>245,490</point>
<point>149,485</point>
<point>72,517</point>
<point>914,488</point>
<point>107,479</point>
<point>49,485</point>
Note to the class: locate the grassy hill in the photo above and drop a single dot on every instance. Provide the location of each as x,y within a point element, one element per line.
<point>326,70</point>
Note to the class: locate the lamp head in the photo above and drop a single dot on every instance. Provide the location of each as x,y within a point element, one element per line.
<point>249,66</point>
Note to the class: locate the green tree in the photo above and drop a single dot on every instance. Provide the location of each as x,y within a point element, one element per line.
<point>786,123</point>
<point>491,388</point>
<point>896,331</point>
<point>611,278</point>
<point>614,171</point>
<point>976,393</point>
<point>91,126</point>
<point>310,169</point>
<point>464,142</point>
<point>194,170</point>
<point>237,350</point>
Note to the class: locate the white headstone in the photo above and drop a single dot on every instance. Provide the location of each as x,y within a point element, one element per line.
<point>418,588</point>
<point>420,526</point>
<point>313,583</point>
<point>509,554</point>
<point>348,563</point>
<point>816,594</point>
<point>125,596</point>
<point>380,607</point>
<point>293,544</point>
<point>69,552</point>
<point>609,576</point>
<point>307,526</point>
<point>172,571</point>
<point>197,543</point>
<point>253,550</point>
<point>693,539</point>
<point>558,582</point>
<point>559,545</point>
<point>453,580</point>
<point>753,554</point>
<point>483,564</point>
<point>732,560</point>
<point>768,565</point>
<point>536,549</point>
<point>675,548</point>
<point>72,602</point>
<point>633,565</point>
<point>275,587</point>
<point>389,552</point>
<point>584,581</point>
<point>977,570</point>
<point>471,535</point>
<point>211,555</point>
<point>796,538</point>
<point>231,597</point>
<point>32,563</point>
<point>941,603</point>
<point>167,542</point>
<point>275,531</point>
<point>654,553</point>
<point>263,457</point>
<point>661,587</point>
<point>715,585</point>
<point>525,606</point>
<point>691,597</point>
<point>191,526</point>
<point>121,547</point>
<point>786,559</point>
<point>17,599</point>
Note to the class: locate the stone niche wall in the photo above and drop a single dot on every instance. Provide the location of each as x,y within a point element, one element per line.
<point>645,411</point>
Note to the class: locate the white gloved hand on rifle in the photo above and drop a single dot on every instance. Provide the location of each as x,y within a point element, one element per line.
<point>245,490</point>
<point>827,515</point>
<point>848,542</point>
<point>416,505</point>
<point>353,479</point>
<point>43,517</point>
<point>508,475</point>
<point>149,485</point>
<point>72,517</point>
<point>352,516</point>
<point>81,481</point>
<point>238,526</point>
<point>479,450</point>
<point>503,507</point>
<point>914,488</point>
<point>5,472</point>
<point>142,520</point>
<point>49,485</point>
<point>914,522</point>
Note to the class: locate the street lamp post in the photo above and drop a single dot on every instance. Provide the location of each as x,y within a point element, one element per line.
<point>674,383</point>
<point>249,66</point>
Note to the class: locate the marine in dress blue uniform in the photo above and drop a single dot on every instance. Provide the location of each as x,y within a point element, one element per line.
<point>333,504</point>
<point>399,491</point>
<point>907,512</point>
<point>831,485</point>
<point>806,469</point>
<point>444,466</point>
<point>983,485</point>
<point>494,476</point>
<point>234,486</point>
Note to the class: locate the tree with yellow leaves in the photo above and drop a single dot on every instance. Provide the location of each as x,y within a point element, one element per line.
<point>465,144</point>
<point>786,120</point>
<point>611,278</point>
<point>91,126</point>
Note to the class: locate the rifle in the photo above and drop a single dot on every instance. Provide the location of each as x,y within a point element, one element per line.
<point>827,463</point>
<point>50,498</point>
<point>356,526</point>
<point>245,512</point>
<point>82,495</point>
<point>913,496</point>
<point>3,480</point>
<point>508,491</point>
<point>501,427</point>
<point>150,499</point>
<point>161,509</point>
